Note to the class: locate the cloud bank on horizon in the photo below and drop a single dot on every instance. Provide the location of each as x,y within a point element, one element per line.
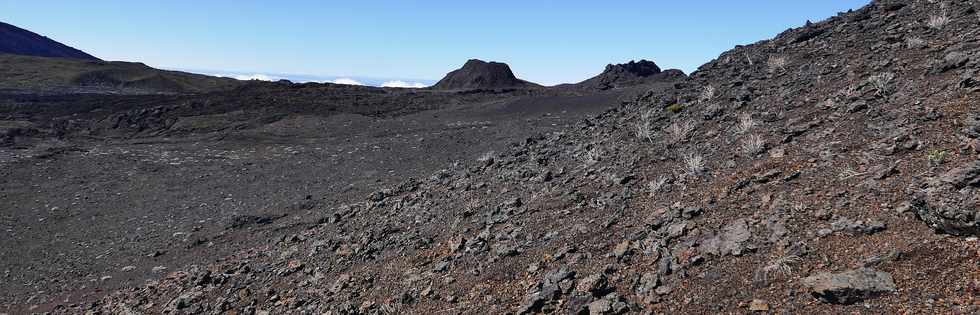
<point>392,83</point>
<point>403,84</point>
<point>347,81</point>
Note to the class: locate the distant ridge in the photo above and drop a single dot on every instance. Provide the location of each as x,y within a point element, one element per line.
<point>479,74</point>
<point>18,41</point>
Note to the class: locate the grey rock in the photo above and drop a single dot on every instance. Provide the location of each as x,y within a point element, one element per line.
<point>869,227</point>
<point>600,307</point>
<point>556,276</point>
<point>594,284</point>
<point>972,126</point>
<point>505,250</point>
<point>952,61</point>
<point>341,284</point>
<point>730,241</point>
<point>441,266</point>
<point>849,287</point>
<point>857,106</point>
<point>965,176</point>
<point>949,203</point>
<point>622,249</point>
<point>676,230</point>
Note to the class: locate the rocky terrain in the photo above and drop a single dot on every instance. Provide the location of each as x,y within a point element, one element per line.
<point>112,187</point>
<point>832,169</point>
<point>19,41</point>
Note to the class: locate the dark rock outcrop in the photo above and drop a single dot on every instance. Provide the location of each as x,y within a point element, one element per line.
<point>18,41</point>
<point>479,74</point>
<point>629,74</point>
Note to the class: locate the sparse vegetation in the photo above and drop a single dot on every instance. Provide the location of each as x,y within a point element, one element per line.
<point>780,266</point>
<point>659,184</point>
<point>486,157</point>
<point>883,83</point>
<point>752,145</point>
<point>675,108</point>
<point>777,63</point>
<point>745,123</point>
<point>914,42</point>
<point>693,163</point>
<point>712,110</point>
<point>936,157</point>
<point>707,94</point>
<point>644,127</point>
<point>848,172</point>
<point>939,20</point>
<point>593,155</point>
<point>678,132</point>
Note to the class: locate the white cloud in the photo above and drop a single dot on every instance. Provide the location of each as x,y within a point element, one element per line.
<point>403,84</point>
<point>346,81</point>
<point>247,77</point>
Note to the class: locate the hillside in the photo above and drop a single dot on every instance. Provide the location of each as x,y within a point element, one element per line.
<point>62,75</point>
<point>18,41</point>
<point>829,170</point>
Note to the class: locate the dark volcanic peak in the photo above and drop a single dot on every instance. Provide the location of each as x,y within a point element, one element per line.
<point>642,68</point>
<point>479,74</point>
<point>18,41</point>
<point>629,74</point>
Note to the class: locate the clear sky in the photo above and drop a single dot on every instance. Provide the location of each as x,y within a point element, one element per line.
<point>544,41</point>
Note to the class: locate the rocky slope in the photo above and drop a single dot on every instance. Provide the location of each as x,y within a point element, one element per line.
<point>18,41</point>
<point>478,74</point>
<point>828,170</point>
<point>629,74</point>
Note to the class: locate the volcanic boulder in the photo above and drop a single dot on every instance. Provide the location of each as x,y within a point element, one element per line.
<point>479,74</point>
<point>850,286</point>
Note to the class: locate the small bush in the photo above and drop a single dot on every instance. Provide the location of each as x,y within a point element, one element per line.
<point>745,123</point>
<point>936,157</point>
<point>693,164</point>
<point>675,108</point>
<point>677,132</point>
<point>644,127</point>
<point>644,130</point>
<point>777,63</point>
<point>883,83</point>
<point>915,42</point>
<point>780,266</point>
<point>938,21</point>
<point>753,145</point>
<point>486,157</point>
<point>707,94</point>
<point>593,155</point>
<point>658,185</point>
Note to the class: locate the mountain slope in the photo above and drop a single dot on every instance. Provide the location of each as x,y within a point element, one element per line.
<point>63,75</point>
<point>805,174</point>
<point>18,41</point>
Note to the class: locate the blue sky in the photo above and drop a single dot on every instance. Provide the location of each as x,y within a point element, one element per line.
<point>544,41</point>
